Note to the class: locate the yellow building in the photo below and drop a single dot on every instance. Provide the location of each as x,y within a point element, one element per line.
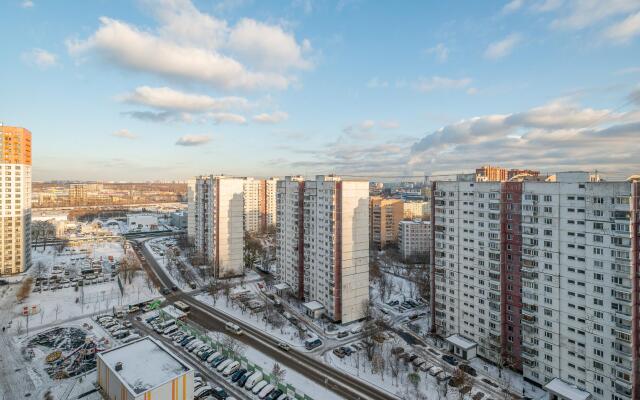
<point>15,232</point>
<point>385,215</point>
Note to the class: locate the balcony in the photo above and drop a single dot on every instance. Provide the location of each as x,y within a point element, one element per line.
<point>529,319</point>
<point>530,363</point>
<point>622,387</point>
<point>529,352</point>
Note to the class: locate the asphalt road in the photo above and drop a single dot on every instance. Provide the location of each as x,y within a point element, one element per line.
<point>344,385</point>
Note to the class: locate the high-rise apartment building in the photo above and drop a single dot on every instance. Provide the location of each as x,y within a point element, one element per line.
<point>414,238</point>
<point>488,173</point>
<point>385,215</point>
<point>77,194</point>
<point>15,231</point>
<point>259,204</point>
<point>323,243</point>
<point>542,277</point>
<point>217,222</point>
<point>416,210</point>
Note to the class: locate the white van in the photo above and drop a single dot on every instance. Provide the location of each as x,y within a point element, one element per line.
<point>253,379</point>
<point>224,365</point>
<point>231,327</point>
<point>265,391</point>
<point>259,386</point>
<point>231,368</point>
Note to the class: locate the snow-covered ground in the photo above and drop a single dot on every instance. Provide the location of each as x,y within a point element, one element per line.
<point>287,333</point>
<point>159,248</point>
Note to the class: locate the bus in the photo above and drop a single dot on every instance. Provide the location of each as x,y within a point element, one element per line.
<point>182,306</point>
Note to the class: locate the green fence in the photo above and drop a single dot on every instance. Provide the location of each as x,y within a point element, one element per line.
<point>289,389</point>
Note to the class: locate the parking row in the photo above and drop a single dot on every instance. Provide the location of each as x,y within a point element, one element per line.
<point>253,382</point>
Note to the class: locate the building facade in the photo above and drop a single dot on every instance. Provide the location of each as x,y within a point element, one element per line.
<point>385,215</point>
<point>416,210</point>
<point>15,167</point>
<point>414,239</point>
<point>217,223</point>
<point>488,173</point>
<point>543,277</point>
<point>323,243</point>
<point>259,204</point>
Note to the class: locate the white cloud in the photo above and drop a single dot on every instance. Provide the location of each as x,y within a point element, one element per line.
<point>193,140</point>
<point>220,118</point>
<point>439,82</point>
<point>585,13</point>
<point>124,134</point>
<point>502,47</point>
<point>194,46</point>
<point>624,30</point>
<point>268,46</point>
<point>27,4</point>
<point>555,136</point>
<point>273,118</point>
<point>630,70</point>
<point>40,58</point>
<point>366,130</point>
<point>472,91</point>
<point>512,6</point>
<point>165,98</point>
<point>547,5</point>
<point>440,51</point>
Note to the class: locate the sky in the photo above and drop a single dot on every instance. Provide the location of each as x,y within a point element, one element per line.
<point>169,89</point>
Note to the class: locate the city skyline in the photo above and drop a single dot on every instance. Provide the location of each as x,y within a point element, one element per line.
<point>319,87</point>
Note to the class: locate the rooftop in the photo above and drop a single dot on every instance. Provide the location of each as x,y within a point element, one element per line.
<point>566,391</point>
<point>313,305</point>
<point>461,342</point>
<point>146,364</point>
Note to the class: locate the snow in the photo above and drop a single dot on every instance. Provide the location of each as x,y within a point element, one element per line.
<point>288,333</point>
<point>313,305</point>
<point>146,364</point>
<point>566,390</point>
<point>461,342</point>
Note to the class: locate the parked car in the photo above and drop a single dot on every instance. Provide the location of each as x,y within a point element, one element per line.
<point>356,330</point>
<point>253,379</point>
<point>258,387</point>
<point>230,369</point>
<point>219,393</point>
<point>213,356</point>
<point>468,369</point>
<point>435,370</point>
<point>243,379</point>
<point>274,395</point>
<point>238,374</point>
<point>265,391</point>
<point>450,359</point>
<point>216,363</point>
<point>342,334</point>
<point>203,392</point>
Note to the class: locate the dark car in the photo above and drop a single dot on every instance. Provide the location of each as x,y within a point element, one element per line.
<point>165,291</point>
<point>187,340</point>
<point>450,359</point>
<point>219,393</point>
<point>174,288</point>
<point>468,369</point>
<point>206,354</point>
<point>218,361</point>
<point>274,395</point>
<point>342,334</point>
<point>238,374</point>
<point>243,379</point>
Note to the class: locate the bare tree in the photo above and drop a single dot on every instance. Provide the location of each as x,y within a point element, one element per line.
<point>233,345</point>
<point>278,373</point>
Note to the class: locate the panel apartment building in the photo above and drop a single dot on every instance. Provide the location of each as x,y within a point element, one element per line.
<point>413,240</point>
<point>259,204</point>
<point>323,243</point>
<point>15,189</point>
<point>215,222</point>
<point>385,216</point>
<point>542,277</point>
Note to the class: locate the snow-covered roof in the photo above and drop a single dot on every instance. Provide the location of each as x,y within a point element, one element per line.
<point>566,391</point>
<point>313,305</point>
<point>146,364</point>
<point>461,342</point>
<point>173,312</point>
<point>281,286</point>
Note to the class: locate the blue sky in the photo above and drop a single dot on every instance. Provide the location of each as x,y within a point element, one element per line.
<point>166,89</point>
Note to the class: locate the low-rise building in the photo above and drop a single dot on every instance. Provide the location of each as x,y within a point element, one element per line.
<point>142,370</point>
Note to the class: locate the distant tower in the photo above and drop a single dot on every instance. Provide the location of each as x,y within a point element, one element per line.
<point>15,192</point>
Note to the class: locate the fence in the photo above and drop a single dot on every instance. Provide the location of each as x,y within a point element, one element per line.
<point>289,389</point>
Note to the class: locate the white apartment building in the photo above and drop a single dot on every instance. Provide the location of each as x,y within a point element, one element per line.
<point>544,273</point>
<point>217,221</point>
<point>323,243</point>
<point>259,204</point>
<point>15,192</point>
<point>414,239</point>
